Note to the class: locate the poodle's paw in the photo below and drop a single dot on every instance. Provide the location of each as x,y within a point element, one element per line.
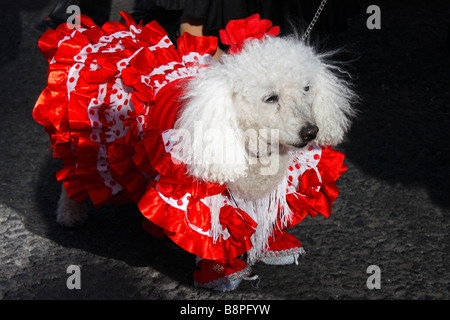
<point>71,214</point>
<point>222,275</point>
<point>285,249</point>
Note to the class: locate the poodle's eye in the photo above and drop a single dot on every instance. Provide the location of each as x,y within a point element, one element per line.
<point>306,88</point>
<point>273,98</point>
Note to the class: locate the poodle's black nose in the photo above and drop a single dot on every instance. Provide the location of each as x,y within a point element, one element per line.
<point>309,133</point>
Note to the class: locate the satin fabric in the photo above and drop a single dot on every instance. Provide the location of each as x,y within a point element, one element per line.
<point>187,220</point>
<point>113,94</point>
<point>239,31</point>
<point>95,106</point>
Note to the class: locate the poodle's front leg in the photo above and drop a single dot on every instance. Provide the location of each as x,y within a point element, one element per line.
<point>69,213</point>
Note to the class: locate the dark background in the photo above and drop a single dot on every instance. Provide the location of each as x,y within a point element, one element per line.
<point>393,208</point>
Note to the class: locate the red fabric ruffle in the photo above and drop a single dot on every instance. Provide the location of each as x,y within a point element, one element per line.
<point>186,219</point>
<point>314,196</point>
<point>238,31</point>
<point>113,93</point>
<point>95,106</point>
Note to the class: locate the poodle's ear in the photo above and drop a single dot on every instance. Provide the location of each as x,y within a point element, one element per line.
<point>214,150</point>
<point>332,106</point>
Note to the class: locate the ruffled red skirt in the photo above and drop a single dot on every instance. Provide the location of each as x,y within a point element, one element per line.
<point>109,107</point>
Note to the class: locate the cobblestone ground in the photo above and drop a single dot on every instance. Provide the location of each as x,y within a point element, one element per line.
<point>393,209</point>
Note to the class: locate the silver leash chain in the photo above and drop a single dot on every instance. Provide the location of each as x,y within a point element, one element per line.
<point>314,20</point>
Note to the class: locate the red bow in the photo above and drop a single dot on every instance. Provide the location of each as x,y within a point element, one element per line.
<point>238,31</point>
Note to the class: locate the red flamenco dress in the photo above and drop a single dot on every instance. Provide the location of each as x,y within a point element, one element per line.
<point>109,109</point>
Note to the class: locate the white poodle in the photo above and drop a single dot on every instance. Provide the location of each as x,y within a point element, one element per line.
<point>278,86</point>
<point>244,121</point>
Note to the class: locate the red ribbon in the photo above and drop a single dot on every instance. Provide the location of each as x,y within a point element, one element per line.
<point>239,31</point>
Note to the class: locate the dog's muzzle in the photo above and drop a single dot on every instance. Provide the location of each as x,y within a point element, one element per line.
<point>309,133</point>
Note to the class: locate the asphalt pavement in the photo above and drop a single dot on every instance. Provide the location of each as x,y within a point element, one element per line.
<point>392,212</point>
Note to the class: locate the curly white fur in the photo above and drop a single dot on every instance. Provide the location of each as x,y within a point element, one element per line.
<point>244,115</point>
<point>275,84</point>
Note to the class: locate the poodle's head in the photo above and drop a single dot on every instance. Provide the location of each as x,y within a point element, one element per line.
<point>274,87</point>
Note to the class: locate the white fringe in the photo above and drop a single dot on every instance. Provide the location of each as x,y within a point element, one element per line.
<point>264,212</point>
<point>215,205</point>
